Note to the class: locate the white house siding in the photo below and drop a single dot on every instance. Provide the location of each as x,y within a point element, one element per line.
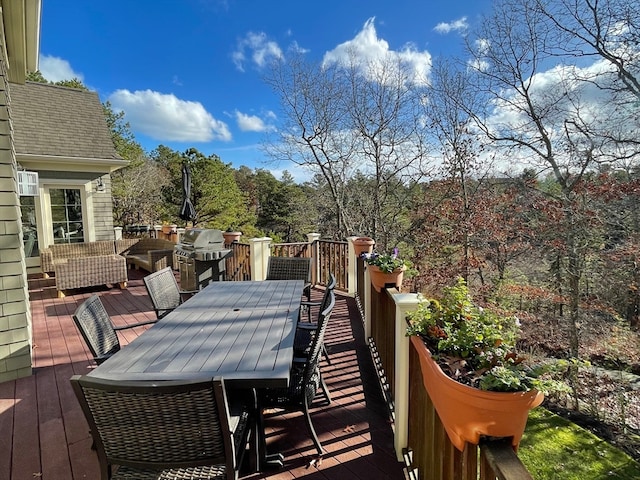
<point>15,312</point>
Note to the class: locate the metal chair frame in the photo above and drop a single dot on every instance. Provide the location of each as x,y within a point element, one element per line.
<point>305,330</point>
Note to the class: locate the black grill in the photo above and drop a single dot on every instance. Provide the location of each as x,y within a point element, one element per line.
<point>201,258</point>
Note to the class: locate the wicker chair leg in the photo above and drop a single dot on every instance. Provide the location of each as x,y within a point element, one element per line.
<point>312,430</point>
<point>326,354</point>
<point>325,390</point>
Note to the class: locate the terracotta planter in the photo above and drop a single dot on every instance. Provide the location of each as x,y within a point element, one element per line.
<point>363,245</point>
<point>166,229</point>
<point>466,412</point>
<point>230,237</point>
<point>380,279</point>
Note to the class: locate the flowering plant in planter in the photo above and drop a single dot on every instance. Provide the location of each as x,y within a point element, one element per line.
<point>386,262</point>
<point>476,346</point>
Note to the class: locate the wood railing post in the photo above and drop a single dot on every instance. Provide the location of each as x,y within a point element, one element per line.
<point>352,280</point>
<point>405,302</point>
<point>260,250</point>
<point>313,238</point>
<point>366,302</point>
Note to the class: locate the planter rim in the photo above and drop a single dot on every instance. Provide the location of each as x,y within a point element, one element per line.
<point>396,270</point>
<point>488,394</point>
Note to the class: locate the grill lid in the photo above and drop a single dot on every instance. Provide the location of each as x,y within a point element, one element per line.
<point>199,238</point>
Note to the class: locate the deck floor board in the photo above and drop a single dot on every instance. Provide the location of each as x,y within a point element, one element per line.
<point>45,436</point>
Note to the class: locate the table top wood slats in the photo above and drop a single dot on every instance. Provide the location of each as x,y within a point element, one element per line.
<point>242,331</point>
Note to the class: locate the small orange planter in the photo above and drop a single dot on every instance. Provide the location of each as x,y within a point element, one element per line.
<point>363,245</point>
<point>466,412</point>
<point>230,237</point>
<point>380,279</point>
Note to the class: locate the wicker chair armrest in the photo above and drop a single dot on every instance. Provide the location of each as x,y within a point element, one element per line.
<point>310,304</point>
<point>133,325</point>
<point>46,260</point>
<point>160,259</point>
<point>307,326</point>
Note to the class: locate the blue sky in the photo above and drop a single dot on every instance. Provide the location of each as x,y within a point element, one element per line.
<point>188,73</point>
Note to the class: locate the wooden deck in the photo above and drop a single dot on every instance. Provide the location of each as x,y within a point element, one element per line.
<point>43,434</point>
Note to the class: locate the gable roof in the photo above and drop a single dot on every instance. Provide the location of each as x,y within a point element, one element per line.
<point>54,121</point>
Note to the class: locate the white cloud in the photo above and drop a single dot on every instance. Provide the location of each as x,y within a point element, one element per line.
<point>258,47</point>
<point>252,123</point>
<point>460,25</point>
<point>371,51</point>
<point>165,117</point>
<point>56,69</point>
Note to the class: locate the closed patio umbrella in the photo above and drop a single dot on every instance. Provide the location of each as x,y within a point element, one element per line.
<point>187,212</point>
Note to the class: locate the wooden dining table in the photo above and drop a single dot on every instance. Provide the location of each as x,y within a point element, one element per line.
<point>242,331</point>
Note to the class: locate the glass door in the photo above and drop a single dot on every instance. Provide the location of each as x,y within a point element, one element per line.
<point>66,215</point>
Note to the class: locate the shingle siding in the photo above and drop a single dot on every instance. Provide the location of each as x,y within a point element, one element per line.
<point>15,313</point>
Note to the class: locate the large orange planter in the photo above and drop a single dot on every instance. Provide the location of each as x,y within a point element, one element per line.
<point>468,413</point>
<point>363,245</point>
<point>380,279</point>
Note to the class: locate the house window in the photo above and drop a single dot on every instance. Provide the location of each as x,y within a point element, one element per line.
<point>66,215</point>
<point>29,227</point>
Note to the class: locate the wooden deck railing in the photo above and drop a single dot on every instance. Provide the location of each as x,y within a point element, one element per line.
<point>420,438</point>
<point>329,257</point>
<point>237,266</point>
<point>332,258</point>
<point>300,249</point>
<point>429,454</point>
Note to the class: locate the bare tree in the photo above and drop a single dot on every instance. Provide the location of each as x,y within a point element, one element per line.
<point>137,196</point>
<point>383,105</point>
<point>348,119</point>
<point>609,29</point>
<point>546,116</point>
<point>450,99</point>
<point>312,133</point>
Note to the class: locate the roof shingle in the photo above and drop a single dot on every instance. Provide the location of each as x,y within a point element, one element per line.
<point>59,121</point>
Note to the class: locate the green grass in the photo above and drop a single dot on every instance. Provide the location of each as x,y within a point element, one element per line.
<point>554,448</point>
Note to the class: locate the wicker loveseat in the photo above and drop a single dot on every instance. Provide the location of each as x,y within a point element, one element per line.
<point>80,272</point>
<point>78,265</point>
<point>150,254</point>
<point>60,253</point>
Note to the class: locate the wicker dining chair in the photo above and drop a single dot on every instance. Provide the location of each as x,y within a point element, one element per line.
<point>98,331</point>
<point>305,330</point>
<point>291,268</point>
<point>305,380</point>
<point>169,429</point>
<point>164,292</point>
